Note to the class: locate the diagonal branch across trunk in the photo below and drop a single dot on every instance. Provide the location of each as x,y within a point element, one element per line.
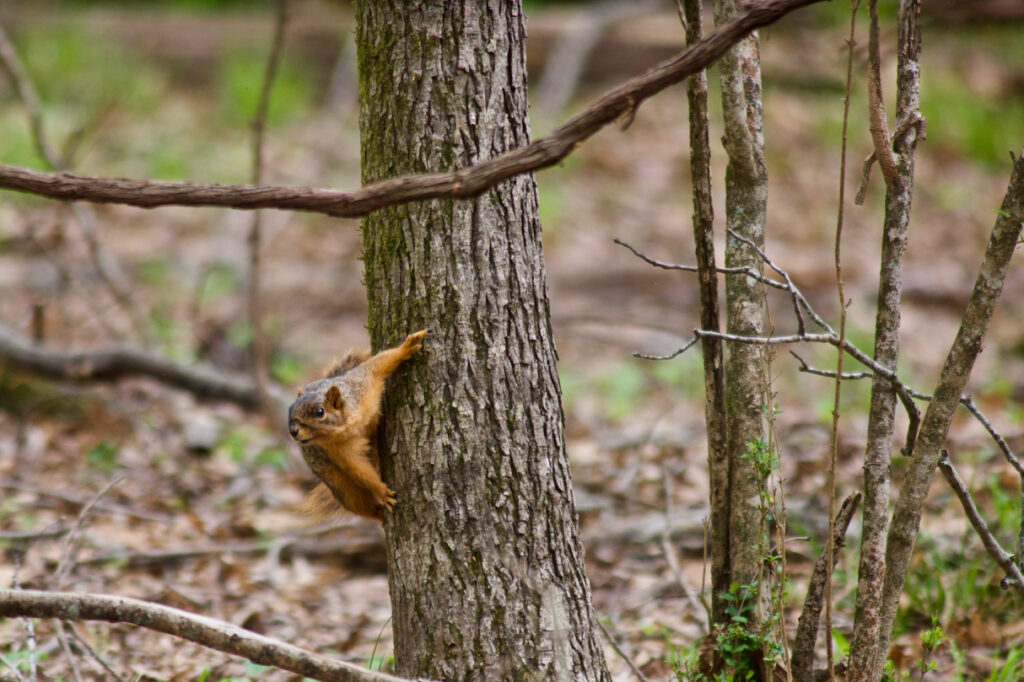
<point>617,104</point>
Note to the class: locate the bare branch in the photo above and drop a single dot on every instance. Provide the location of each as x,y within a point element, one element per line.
<point>62,638</point>
<point>92,652</point>
<point>622,654</point>
<point>18,75</point>
<point>109,364</point>
<point>80,502</point>
<point>69,547</point>
<point>461,184</point>
<point>829,373</point>
<point>1001,443</point>
<point>687,346</point>
<point>565,64</point>
<point>904,393</point>
<point>870,645</point>
<point>960,360</point>
<point>807,628</point>
<point>209,632</point>
<point>876,107</point>
<point>739,270</point>
<point>716,528</point>
<point>806,670</point>
<point>1007,561</point>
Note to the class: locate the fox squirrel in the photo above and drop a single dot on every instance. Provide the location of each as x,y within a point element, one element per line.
<point>334,420</point>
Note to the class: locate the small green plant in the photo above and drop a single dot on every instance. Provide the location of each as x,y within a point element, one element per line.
<point>686,665</point>
<point>254,669</point>
<point>274,457</point>
<point>376,662</point>
<point>889,673</point>
<point>931,639</point>
<point>103,456</point>
<point>736,641</point>
<point>1010,668</point>
<point>763,457</point>
<point>236,445</point>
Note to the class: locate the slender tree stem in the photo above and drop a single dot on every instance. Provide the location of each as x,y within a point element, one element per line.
<point>258,343</point>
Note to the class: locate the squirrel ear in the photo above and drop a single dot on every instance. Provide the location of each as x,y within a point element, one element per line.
<point>299,391</point>
<point>333,397</point>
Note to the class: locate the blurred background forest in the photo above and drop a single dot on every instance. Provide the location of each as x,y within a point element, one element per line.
<point>203,515</point>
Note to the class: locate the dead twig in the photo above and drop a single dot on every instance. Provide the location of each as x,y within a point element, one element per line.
<point>208,632</point>
<point>258,345</point>
<point>806,670</point>
<point>109,364</point>
<point>92,652</point>
<point>79,502</point>
<point>1007,561</point>
<point>565,64</point>
<point>62,638</point>
<point>965,400</point>
<point>876,106</point>
<point>70,546</point>
<point>672,558</point>
<point>287,546</point>
<point>622,654</point>
<point>816,598</point>
<point>13,668</point>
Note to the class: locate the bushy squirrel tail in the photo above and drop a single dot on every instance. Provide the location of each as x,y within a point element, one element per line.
<point>352,359</point>
<point>321,504</point>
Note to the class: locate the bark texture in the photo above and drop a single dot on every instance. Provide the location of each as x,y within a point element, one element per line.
<point>711,348</point>
<point>866,649</point>
<point>906,518</point>
<point>485,563</point>
<point>746,193</point>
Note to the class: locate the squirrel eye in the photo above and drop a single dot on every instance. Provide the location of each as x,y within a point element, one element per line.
<point>319,413</point>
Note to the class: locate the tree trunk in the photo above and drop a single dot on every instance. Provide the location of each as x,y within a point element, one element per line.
<point>485,563</point>
<point>746,192</point>
<point>711,347</point>
<point>870,645</point>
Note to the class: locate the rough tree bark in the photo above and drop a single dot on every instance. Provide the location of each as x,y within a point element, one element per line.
<point>746,192</point>
<point>865,649</point>
<point>485,563</point>
<point>711,348</point>
<point>909,507</point>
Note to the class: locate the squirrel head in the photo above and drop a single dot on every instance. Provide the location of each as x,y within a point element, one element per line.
<point>317,414</point>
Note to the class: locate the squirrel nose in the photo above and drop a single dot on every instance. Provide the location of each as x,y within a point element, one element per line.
<point>293,428</point>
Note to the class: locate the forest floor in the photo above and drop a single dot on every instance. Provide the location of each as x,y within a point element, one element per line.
<point>199,508</point>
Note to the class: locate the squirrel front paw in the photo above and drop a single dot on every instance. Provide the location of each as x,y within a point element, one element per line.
<point>414,342</point>
<point>388,498</point>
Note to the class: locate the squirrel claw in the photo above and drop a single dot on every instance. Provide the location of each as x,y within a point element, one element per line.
<point>414,342</point>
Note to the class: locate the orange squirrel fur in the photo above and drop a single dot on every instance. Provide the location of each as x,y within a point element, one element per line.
<point>334,420</point>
